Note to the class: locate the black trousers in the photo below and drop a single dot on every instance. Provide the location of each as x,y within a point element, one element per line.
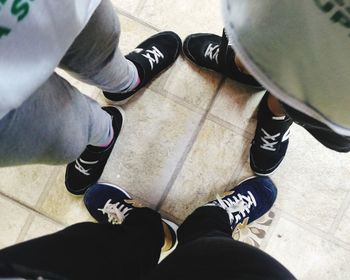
<point>131,251</point>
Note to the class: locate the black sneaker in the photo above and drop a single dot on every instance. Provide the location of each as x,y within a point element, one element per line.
<point>248,201</point>
<point>214,53</point>
<point>88,168</point>
<point>151,57</point>
<point>108,203</point>
<point>270,142</point>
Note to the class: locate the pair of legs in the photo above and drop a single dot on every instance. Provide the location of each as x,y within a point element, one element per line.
<point>131,250</point>
<point>271,139</point>
<point>58,124</point>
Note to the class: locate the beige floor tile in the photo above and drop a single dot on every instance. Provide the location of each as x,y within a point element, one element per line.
<point>306,255</point>
<point>236,104</point>
<point>13,218</point>
<point>343,231</point>
<point>207,170</point>
<point>153,140</point>
<point>311,180</point>
<point>41,226</point>
<point>128,6</point>
<point>25,183</point>
<point>184,16</point>
<point>132,33</point>
<point>58,204</point>
<point>191,84</point>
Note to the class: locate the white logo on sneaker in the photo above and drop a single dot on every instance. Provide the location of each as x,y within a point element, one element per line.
<point>213,52</point>
<point>138,50</point>
<point>286,135</point>
<point>81,169</point>
<point>157,54</point>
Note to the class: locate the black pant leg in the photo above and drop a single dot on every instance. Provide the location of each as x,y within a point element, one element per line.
<point>92,251</point>
<point>205,221</point>
<point>207,251</point>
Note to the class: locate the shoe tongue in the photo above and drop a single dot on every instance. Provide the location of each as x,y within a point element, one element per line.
<point>226,53</point>
<point>281,118</point>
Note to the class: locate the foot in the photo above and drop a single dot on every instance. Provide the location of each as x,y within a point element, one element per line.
<point>151,57</point>
<point>270,142</point>
<point>111,204</point>
<point>213,52</point>
<point>88,168</point>
<point>248,201</point>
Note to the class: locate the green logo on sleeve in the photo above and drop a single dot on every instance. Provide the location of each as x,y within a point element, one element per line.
<point>19,9</point>
<point>338,10</point>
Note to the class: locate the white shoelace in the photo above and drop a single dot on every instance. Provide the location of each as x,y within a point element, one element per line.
<point>157,54</point>
<point>267,138</point>
<point>114,212</point>
<point>240,205</point>
<point>213,52</point>
<point>81,169</point>
<point>269,141</point>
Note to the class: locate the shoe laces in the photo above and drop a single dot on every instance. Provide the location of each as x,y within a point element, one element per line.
<point>212,52</point>
<point>270,141</point>
<point>154,55</point>
<point>116,212</point>
<point>237,207</point>
<point>85,171</point>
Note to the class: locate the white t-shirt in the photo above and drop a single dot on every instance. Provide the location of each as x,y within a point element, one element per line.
<point>299,50</point>
<point>34,36</point>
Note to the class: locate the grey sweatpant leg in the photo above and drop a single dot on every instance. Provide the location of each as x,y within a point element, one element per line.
<point>57,122</point>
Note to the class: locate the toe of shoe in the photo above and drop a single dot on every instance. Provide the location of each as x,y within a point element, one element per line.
<point>172,41</point>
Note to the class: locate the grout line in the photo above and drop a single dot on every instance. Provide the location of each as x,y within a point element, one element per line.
<point>246,134</point>
<point>25,228</point>
<point>139,7</point>
<point>322,234</point>
<point>180,101</point>
<point>30,208</point>
<point>341,212</point>
<point>184,156</point>
<point>138,20</point>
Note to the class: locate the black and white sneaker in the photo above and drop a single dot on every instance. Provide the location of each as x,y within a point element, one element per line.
<point>108,203</point>
<point>88,168</point>
<point>151,57</point>
<point>270,142</point>
<point>214,53</point>
<point>248,201</point>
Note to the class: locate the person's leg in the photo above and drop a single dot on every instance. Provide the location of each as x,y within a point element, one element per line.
<point>53,126</point>
<point>95,58</point>
<point>206,249</point>
<point>92,251</point>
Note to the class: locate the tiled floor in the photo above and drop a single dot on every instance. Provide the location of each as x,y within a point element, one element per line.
<point>186,138</point>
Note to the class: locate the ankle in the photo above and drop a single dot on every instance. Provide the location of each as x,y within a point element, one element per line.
<point>240,65</point>
<point>168,240</point>
<point>275,106</point>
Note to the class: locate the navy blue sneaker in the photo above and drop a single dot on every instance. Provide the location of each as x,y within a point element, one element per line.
<point>248,201</point>
<point>108,203</point>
